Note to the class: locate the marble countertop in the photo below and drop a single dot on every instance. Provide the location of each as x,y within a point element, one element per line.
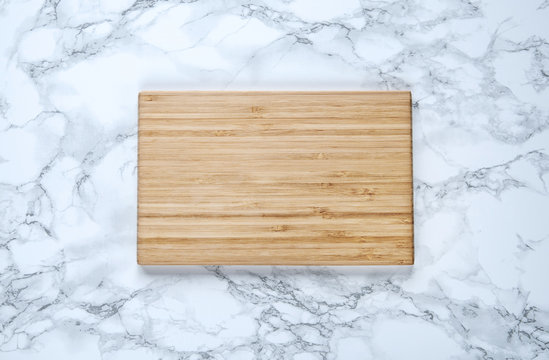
<point>70,72</point>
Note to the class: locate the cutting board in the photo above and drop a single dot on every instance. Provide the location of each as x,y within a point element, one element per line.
<point>281,178</point>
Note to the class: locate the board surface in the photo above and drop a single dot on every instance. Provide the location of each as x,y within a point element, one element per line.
<point>288,178</point>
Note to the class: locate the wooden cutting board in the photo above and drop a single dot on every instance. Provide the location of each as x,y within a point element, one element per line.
<point>295,178</point>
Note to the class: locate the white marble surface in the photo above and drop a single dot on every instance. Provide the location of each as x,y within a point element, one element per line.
<point>70,72</point>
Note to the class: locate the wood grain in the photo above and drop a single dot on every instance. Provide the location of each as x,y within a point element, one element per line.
<point>280,178</point>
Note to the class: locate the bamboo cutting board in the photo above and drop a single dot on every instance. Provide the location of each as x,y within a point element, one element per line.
<point>294,178</point>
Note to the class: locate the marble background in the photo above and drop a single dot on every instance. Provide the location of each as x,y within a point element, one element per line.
<point>70,287</point>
